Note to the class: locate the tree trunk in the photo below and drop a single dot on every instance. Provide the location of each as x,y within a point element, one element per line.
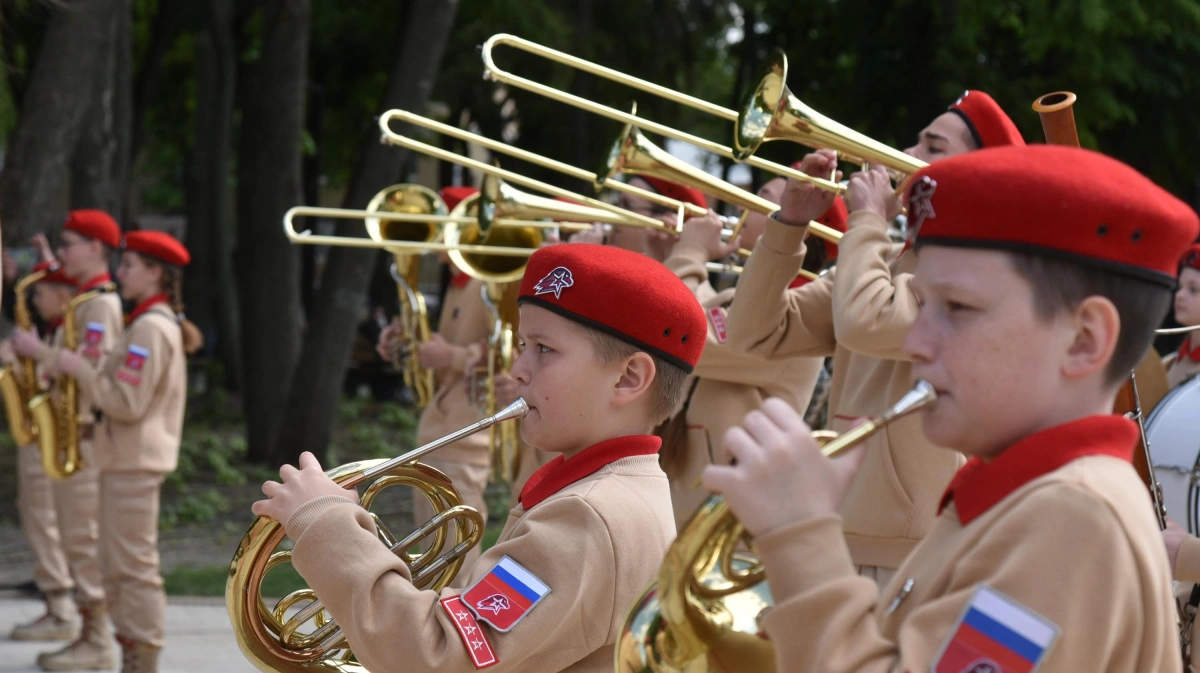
<point>100,163</point>
<point>163,31</point>
<point>210,288</point>
<point>60,90</point>
<point>268,184</point>
<point>312,402</point>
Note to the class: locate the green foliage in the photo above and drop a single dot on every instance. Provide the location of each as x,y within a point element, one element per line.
<point>210,581</point>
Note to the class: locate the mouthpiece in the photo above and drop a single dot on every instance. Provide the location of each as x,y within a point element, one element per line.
<point>518,409</point>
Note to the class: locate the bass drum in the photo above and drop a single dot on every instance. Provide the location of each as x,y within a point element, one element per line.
<point>1173,432</point>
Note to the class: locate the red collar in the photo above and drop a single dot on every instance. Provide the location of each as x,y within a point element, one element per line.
<point>459,280</point>
<point>53,325</point>
<point>799,281</point>
<point>1186,352</point>
<point>95,282</point>
<point>141,308</point>
<point>560,473</point>
<point>978,485</point>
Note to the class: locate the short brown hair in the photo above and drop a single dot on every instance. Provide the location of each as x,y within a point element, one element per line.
<point>666,390</point>
<point>1060,285</point>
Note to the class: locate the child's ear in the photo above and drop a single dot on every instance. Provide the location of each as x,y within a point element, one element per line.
<point>1097,327</point>
<point>637,375</point>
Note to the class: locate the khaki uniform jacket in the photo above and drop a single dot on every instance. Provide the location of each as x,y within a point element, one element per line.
<point>598,543</point>
<point>1187,571</point>
<point>465,322</point>
<point>104,311</point>
<point>1078,546</point>
<point>1180,371</point>
<point>731,384</point>
<point>142,401</point>
<point>859,313</point>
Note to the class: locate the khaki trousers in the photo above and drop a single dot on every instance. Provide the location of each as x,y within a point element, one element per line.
<point>129,554</point>
<point>470,481</point>
<point>61,521</point>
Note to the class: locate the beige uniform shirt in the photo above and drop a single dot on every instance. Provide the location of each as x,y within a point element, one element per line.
<point>597,543</point>
<point>859,314</point>
<point>1187,571</point>
<point>731,384</point>
<point>464,323</point>
<point>141,389</point>
<point>98,324</point>
<point>1077,546</point>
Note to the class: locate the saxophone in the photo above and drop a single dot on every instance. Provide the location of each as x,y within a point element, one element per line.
<point>17,388</point>
<point>55,412</point>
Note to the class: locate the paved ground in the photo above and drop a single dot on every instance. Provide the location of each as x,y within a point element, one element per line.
<point>199,637</point>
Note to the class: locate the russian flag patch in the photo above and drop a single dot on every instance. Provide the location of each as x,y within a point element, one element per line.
<point>92,339</point>
<point>505,595</point>
<point>136,357</point>
<point>996,635</point>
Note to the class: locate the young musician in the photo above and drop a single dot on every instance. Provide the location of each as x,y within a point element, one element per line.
<point>464,323</point>
<point>141,390</point>
<point>1185,364</point>
<point>607,338</point>
<point>859,314</point>
<point>86,244</point>
<point>1033,312</point>
<point>35,491</point>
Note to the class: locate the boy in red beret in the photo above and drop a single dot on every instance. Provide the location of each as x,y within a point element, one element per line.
<point>1185,363</point>
<point>607,337</point>
<point>464,322</point>
<point>858,314</point>
<point>1033,311</point>
<point>54,570</point>
<point>141,389</point>
<point>85,245</point>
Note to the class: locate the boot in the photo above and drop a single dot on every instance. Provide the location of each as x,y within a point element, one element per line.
<point>138,657</point>
<point>59,622</point>
<point>92,651</point>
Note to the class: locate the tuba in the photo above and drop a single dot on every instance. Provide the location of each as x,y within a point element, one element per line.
<point>418,200</point>
<point>18,388</point>
<point>55,413</point>
<point>703,614</point>
<point>271,637</point>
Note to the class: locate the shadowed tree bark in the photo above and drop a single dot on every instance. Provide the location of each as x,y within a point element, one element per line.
<point>52,110</point>
<point>312,401</point>
<point>268,184</point>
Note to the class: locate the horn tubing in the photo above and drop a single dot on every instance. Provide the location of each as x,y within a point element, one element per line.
<point>387,216</point>
<point>920,396</point>
<point>504,77</point>
<point>1058,118</point>
<point>307,237</point>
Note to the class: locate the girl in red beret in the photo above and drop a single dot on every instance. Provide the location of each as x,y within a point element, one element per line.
<point>141,388</point>
<point>1185,364</point>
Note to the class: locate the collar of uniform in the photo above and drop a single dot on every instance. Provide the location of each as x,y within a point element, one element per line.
<point>95,282</point>
<point>979,485</point>
<point>1187,352</point>
<point>53,325</point>
<point>561,473</point>
<point>459,279</point>
<point>140,309</point>
<point>799,281</point>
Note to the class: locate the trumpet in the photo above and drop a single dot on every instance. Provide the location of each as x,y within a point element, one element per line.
<point>271,640</point>
<point>703,612</point>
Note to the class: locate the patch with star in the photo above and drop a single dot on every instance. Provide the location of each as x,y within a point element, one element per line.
<point>474,639</point>
<point>505,595</point>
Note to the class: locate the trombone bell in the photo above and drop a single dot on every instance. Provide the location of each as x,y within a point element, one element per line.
<point>772,112</point>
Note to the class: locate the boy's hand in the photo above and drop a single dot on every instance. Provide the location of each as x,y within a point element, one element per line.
<point>595,235</point>
<point>25,343</point>
<point>872,190</point>
<point>780,476</point>
<point>69,363</point>
<point>802,202</point>
<point>705,232</point>
<point>1173,537</point>
<point>437,353</point>
<point>299,487</point>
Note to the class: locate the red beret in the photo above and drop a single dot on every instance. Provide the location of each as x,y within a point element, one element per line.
<point>834,218</point>
<point>54,273</point>
<point>988,124</point>
<point>1191,258</point>
<point>1053,200</point>
<point>676,191</point>
<point>158,244</point>
<point>623,293</point>
<point>454,195</point>
<point>95,224</point>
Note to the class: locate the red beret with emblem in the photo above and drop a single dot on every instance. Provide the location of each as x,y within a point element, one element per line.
<point>159,245</point>
<point>988,124</point>
<point>54,273</point>
<point>673,190</point>
<point>1191,258</point>
<point>455,195</point>
<point>623,293</point>
<point>1056,201</point>
<point>95,224</point>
